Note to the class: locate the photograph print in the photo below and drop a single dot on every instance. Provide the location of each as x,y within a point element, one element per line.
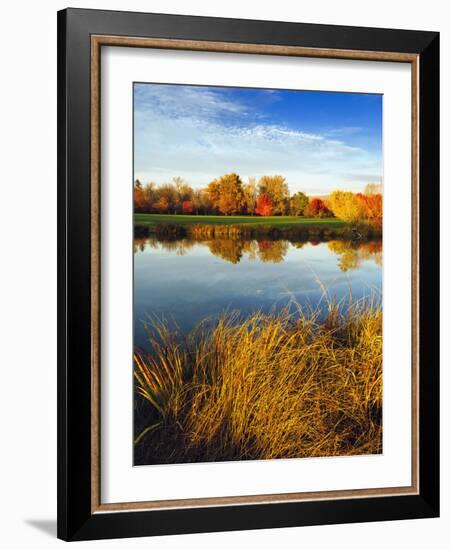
<point>257,274</point>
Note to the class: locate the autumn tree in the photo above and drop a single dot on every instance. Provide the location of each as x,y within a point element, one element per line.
<point>316,208</point>
<point>276,188</point>
<point>226,193</point>
<point>181,192</point>
<point>183,189</point>
<point>150,195</point>
<point>197,200</point>
<point>298,202</point>
<point>162,204</point>
<point>250,196</point>
<point>346,206</point>
<point>168,193</point>
<point>372,205</point>
<point>205,204</point>
<point>139,199</point>
<point>214,193</point>
<point>264,205</point>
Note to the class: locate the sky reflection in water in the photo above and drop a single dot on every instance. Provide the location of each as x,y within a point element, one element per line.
<point>189,280</point>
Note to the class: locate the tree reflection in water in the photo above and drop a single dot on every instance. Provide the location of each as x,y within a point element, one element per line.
<point>350,254</point>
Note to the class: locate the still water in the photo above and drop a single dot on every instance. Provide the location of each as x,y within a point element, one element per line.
<point>185,281</point>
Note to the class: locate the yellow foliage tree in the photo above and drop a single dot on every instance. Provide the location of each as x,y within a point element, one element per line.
<point>346,206</point>
<point>276,188</point>
<point>226,193</point>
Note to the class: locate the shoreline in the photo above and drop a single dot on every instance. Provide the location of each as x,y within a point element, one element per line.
<point>267,231</point>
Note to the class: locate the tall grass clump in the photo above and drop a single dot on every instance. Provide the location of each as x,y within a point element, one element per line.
<point>278,385</point>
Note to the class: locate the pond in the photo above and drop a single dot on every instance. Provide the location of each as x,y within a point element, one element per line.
<point>184,281</point>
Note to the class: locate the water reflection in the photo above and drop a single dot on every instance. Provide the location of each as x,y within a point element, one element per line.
<point>187,280</point>
<point>349,254</point>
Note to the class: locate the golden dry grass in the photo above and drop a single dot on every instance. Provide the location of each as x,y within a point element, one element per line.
<point>269,386</point>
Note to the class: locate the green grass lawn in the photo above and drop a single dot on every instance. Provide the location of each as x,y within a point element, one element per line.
<point>274,221</point>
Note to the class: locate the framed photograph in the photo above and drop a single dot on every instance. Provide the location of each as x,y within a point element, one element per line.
<point>248,274</point>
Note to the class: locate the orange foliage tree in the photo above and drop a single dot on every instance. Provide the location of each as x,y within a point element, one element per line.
<point>139,197</point>
<point>264,205</point>
<point>187,207</point>
<point>373,207</point>
<point>162,204</point>
<point>226,194</point>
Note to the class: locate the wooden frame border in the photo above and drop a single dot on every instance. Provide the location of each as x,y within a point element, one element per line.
<point>81,33</point>
<point>122,41</point>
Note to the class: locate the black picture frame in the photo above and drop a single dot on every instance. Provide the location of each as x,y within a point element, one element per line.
<point>75,518</point>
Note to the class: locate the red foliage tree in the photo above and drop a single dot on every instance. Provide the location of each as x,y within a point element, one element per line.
<point>317,208</point>
<point>264,205</point>
<point>187,207</point>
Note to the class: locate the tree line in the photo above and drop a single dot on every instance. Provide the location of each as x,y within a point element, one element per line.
<point>269,196</point>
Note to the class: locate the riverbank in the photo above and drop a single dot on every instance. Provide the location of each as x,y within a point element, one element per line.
<point>289,227</point>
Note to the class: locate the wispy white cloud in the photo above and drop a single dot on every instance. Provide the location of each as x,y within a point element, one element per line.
<point>180,101</point>
<point>201,133</point>
<point>344,131</point>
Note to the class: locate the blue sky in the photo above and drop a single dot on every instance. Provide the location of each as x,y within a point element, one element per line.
<point>320,141</point>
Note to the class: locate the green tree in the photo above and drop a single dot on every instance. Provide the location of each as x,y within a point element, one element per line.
<point>298,202</point>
